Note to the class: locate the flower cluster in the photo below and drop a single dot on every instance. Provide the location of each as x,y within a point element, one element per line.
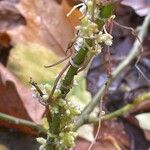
<point>91,35</point>
<point>67,136</point>
<point>41,92</point>
<point>67,139</point>
<point>89,30</point>
<point>63,141</point>
<point>42,142</point>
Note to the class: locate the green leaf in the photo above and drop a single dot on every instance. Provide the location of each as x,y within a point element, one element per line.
<point>144,120</point>
<point>107,10</point>
<point>27,60</point>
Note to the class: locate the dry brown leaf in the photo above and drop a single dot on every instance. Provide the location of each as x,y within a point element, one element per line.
<point>43,22</point>
<point>141,7</point>
<point>16,99</point>
<point>73,2</point>
<point>84,145</point>
<point>10,16</point>
<point>111,134</point>
<point>5,46</point>
<point>47,24</point>
<point>74,17</point>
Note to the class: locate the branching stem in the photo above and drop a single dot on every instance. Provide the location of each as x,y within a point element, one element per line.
<point>18,121</point>
<point>134,53</point>
<point>125,109</point>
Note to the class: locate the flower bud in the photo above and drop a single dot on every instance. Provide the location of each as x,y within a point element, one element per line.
<point>48,87</point>
<point>41,140</point>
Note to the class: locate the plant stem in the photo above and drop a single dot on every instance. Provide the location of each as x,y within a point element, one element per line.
<point>40,129</point>
<point>18,121</point>
<point>135,51</point>
<point>123,110</point>
<point>72,71</point>
<point>67,82</point>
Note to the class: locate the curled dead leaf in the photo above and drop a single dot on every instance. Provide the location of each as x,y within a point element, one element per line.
<point>16,99</point>
<point>10,16</point>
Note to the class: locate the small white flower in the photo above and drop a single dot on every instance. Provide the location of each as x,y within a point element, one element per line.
<point>102,112</point>
<point>83,9</point>
<point>62,102</point>
<point>90,5</point>
<point>106,38</point>
<point>45,97</point>
<point>41,140</point>
<point>42,147</point>
<point>54,110</point>
<point>33,88</point>
<point>98,48</point>
<point>47,87</point>
<point>68,112</point>
<point>79,43</point>
<point>108,42</point>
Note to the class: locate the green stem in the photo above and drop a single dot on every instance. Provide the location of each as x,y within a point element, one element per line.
<point>67,82</point>
<point>105,13</point>
<point>18,121</point>
<point>126,109</point>
<point>134,53</point>
<point>72,71</point>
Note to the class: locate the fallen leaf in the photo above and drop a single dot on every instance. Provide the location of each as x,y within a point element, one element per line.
<point>141,7</point>
<point>44,25</point>
<point>5,46</point>
<point>73,2</point>
<point>101,145</point>
<point>37,22</point>
<point>16,99</point>
<point>4,39</point>
<point>86,132</point>
<point>74,17</point>
<point>10,16</point>
<point>144,120</point>
<point>28,60</point>
<point>108,129</point>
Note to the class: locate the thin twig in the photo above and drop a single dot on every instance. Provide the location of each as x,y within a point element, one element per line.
<point>100,106</point>
<point>142,50</point>
<point>125,109</point>
<point>141,72</point>
<point>50,34</point>
<point>34,84</point>
<point>59,62</point>
<point>135,51</point>
<point>56,82</point>
<point>102,96</point>
<point>18,121</point>
<point>74,8</point>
